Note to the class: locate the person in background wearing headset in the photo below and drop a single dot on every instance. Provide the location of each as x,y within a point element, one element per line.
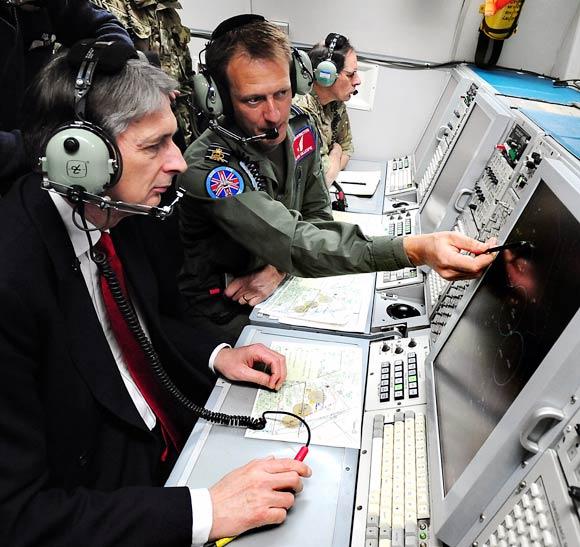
<point>84,450</point>
<point>335,80</point>
<point>256,205</point>
<point>28,31</point>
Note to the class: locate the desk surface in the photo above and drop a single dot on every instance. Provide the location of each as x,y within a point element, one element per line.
<point>322,513</point>
<point>372,204</point>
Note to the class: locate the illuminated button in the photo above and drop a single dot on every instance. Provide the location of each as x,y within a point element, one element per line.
<point>548,538</point>
<point>503,543</point>
<point>533,533</point>
<point>509,522</point>
<point>520,527</point>
<point>524,542</point>
<point>535,490</point>
<point>492,541</point>
<point>500,531</point>
<point>536,544</point>
<point>512,538</point>
<point>518,511</point>
<point>542,521</point>
<point>413,378</point>
<point>422,535</point>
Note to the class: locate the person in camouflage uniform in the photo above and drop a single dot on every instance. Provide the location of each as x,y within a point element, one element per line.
<point>325,104</point>
<point>156,29</point>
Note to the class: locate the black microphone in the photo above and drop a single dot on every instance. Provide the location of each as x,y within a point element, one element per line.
<point>270,133</point>
<point>355,92</point>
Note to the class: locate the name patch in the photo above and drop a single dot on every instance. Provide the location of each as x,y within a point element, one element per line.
<point>304,143</point>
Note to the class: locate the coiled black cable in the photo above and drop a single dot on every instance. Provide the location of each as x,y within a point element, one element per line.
<point>128,313</point>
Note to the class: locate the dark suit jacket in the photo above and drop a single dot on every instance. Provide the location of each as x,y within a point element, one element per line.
<point>77,463</point>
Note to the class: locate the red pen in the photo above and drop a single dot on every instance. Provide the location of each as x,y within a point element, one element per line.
<point>301,454</point>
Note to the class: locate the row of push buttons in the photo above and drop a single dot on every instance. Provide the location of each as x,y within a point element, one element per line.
<point>399,379</point>
<point>399,175</point>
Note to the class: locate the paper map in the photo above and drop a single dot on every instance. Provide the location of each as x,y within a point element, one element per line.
<point>324,386</point>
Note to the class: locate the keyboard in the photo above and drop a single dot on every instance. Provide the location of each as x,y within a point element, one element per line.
<point>399,176</point>
<point>392,506</point>
<point>437,286</point>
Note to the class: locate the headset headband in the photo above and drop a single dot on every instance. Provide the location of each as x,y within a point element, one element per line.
<point>234,23</point>
<point>111,57</point>
<point>332,45</point>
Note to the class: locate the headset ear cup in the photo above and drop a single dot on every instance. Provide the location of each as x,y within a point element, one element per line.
<point>301,72</point>
<point>326,73</point>
<point>81,154</point>
<point>206,95</point>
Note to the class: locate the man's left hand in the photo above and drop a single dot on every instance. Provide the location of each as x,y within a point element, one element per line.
<point>246,364</point>
<point>256,287</point>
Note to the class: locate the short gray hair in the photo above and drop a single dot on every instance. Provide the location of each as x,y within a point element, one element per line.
<point>113,101</point>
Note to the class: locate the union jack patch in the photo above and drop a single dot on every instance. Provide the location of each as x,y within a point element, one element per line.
<point>224,182</point>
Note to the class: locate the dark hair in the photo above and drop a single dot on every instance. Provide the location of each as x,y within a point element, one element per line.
<point>258,39</point>
<point>320,51</point>
<point>113,101</point>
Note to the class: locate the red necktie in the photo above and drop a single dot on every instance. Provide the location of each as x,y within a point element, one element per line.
<point>157,397</point>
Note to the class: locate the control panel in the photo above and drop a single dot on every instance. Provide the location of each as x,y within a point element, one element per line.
<point>396,373</point>
<point>446,136</point>
<point>399,175</point>
<point>540,513</point>
<point>502,184</point>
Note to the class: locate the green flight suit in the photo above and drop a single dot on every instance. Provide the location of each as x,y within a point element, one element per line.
<point>283,221</point>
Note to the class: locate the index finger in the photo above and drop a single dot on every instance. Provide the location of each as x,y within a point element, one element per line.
<point>283,465</point>
<point>471,245</point>
<point>472,265</point>
<point>276,362</point>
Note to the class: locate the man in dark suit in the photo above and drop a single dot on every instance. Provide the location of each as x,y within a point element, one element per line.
<point>83,452</point>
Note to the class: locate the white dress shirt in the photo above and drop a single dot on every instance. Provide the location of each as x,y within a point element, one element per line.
<point>201,505</point>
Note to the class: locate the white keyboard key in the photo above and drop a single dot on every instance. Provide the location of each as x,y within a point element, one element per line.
<point>539,505</point>
<point>548,538</point>
<point>543,521</point>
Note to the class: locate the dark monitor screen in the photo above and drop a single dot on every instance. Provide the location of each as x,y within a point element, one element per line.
<point>463,152</point>
<point>524,302</point>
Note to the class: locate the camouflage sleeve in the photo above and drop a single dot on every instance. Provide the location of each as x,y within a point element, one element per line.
<point>344,134</point>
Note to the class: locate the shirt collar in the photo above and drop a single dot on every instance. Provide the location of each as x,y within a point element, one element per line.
<point>77,236</point>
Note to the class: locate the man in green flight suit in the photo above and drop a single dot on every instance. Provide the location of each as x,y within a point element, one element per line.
<point>256,206</point>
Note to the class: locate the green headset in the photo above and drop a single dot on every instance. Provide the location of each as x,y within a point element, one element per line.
<point>213,101</point>
<point>80,154</point>
<point>326,71</point>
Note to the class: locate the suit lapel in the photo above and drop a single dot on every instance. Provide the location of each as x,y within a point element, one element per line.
<point>85,340</point>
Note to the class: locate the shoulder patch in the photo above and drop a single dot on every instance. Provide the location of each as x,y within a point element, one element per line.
<point>224,182</point>
<point>297,111</point>
<point>304,143</point>
<point>217,153</point>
